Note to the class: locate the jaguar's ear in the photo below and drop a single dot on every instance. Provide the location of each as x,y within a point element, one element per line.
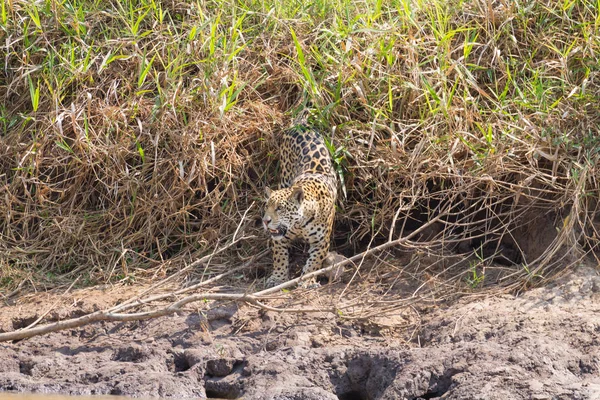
<point>268,192</point>
<point>298,194</point>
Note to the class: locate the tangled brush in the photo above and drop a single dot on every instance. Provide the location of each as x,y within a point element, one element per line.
<point>136,134</point>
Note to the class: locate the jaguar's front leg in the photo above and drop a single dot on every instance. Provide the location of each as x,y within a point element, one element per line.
<point>316,255</point>
<point>280,262</point>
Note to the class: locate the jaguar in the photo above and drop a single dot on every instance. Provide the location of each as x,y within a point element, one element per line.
<point>303,206</point>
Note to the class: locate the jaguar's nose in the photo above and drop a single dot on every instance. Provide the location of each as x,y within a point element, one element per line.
<point>266,221</point>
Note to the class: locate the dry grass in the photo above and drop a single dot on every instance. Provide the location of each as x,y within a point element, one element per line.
<point>135,134</point>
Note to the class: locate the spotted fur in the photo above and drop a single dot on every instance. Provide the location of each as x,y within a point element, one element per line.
<point>304,205</point>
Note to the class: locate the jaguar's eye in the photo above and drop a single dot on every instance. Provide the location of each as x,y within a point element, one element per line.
<point>278,209</point>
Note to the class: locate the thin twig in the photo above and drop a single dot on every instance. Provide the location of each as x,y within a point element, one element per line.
<point>128,305</point>
<point>34,323</point>
<point>200,261</point>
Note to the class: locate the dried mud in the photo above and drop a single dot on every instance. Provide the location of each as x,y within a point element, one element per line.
<point>543,344</point>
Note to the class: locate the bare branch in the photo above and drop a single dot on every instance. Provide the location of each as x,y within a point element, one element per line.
<point>113,314</point>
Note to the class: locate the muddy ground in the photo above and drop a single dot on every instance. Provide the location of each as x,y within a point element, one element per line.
<point>541,344</point>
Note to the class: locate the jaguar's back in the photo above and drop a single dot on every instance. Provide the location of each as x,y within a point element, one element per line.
<point>304,154</point>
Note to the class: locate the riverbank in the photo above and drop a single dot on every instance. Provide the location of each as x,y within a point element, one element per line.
<point>544,343</point>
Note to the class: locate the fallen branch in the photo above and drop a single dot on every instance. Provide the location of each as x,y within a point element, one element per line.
<point>138,300</point>
<point>352,259</point>
<point>203,260</point>
<point>111,315</point>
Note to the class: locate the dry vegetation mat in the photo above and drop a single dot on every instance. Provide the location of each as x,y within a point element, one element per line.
<point>135,135</point>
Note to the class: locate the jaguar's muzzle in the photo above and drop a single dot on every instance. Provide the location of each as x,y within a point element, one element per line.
<point>278,232</point>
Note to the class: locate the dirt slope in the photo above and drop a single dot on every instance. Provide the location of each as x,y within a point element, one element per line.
<point>543,344</point>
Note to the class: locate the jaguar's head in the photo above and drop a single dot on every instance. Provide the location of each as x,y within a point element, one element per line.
<point>283,210</point>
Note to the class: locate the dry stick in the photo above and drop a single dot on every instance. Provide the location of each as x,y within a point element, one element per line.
<point>233,239</point>
<point>135,301</point>
<point>34,323</point>
<point>14,292</point>
<point>127,305</point>
<point>106,315</point>
<point>253,299</point>
<point>350,260</point>
<point>206,259</point>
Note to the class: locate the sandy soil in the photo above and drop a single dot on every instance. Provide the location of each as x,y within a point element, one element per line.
<point>543,344</point>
